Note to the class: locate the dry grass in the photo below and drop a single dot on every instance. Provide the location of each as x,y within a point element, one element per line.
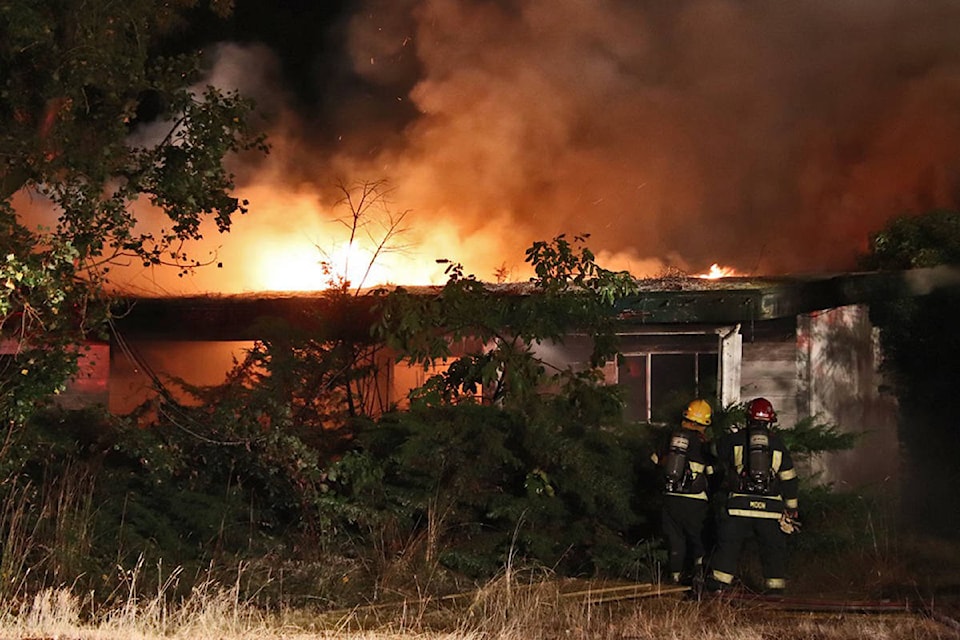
<point>715,621</point>
<point>518,605</point>
<point>525,607</point>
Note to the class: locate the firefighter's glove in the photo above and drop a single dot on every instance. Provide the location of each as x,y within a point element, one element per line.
<point>789,522</point>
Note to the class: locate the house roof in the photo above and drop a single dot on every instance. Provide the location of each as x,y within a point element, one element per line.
<point>733,300</point>
<point>670,300</point>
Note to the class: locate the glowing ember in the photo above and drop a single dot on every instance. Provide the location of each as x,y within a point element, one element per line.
<point>716,271</point>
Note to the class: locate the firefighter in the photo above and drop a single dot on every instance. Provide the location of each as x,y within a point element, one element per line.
<point>760,483</point>
<point>685,466</point>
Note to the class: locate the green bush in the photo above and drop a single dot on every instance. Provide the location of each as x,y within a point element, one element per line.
<point>486,486</point>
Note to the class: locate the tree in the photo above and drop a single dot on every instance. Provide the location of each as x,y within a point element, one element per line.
<point>921,349</point>
<point>909,242</point>
<point>917,331</point>
<point>329,376</point>
<point>569,293</point>
<point>348,354</point>
<point>295,397</point>
<point>94,118</point>
<point>505,454</point>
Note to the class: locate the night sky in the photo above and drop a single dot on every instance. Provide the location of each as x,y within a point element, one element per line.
<point>773,137</point>
<point>306,36</point>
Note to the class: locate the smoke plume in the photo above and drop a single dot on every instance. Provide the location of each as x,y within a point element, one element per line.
<point>773,137</point>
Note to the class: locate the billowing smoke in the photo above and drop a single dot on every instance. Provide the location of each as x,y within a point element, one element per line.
<point>770,136</point>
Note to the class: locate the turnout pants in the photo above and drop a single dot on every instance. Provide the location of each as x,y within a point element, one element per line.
<point>733,533</point>
<point>683,520</point>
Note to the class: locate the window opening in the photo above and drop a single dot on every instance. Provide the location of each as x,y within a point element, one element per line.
<point>656,386</point>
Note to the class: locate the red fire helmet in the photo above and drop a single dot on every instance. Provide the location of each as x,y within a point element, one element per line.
<point>761,410</point>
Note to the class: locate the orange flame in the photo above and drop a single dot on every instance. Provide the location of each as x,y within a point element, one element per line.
<point>716,271</point>
<point>304,267</point>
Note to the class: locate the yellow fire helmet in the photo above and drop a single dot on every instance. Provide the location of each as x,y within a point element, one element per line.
<point>699,412</point>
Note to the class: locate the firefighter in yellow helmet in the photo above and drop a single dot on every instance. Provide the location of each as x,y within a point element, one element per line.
<point>761,485</point>
<point>685,466</point>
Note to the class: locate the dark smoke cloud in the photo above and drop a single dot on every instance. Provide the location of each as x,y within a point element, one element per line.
<point>773,137</point>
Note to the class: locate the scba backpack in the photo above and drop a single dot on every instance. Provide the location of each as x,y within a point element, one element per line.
<point>757,476</point>
<point>682,471</point>
<point>676,468</point>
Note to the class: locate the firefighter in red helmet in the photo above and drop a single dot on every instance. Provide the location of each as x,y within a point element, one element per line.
<point>761,492</point>
<point>685,465</point>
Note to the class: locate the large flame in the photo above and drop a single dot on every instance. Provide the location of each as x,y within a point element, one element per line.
<point>292,241</point>
<point>291,266</point>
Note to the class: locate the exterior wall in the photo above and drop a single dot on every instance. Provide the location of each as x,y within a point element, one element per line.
<point>402,378</point>
<point>838,361</point>
<point>828,369</point>
<point>768,368</point>
<point>823,364</point>
<point>91,385</point>
<point>197,363</point>
<point>207,363</point>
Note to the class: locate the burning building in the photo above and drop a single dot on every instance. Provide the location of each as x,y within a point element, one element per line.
<point>805,343</point>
